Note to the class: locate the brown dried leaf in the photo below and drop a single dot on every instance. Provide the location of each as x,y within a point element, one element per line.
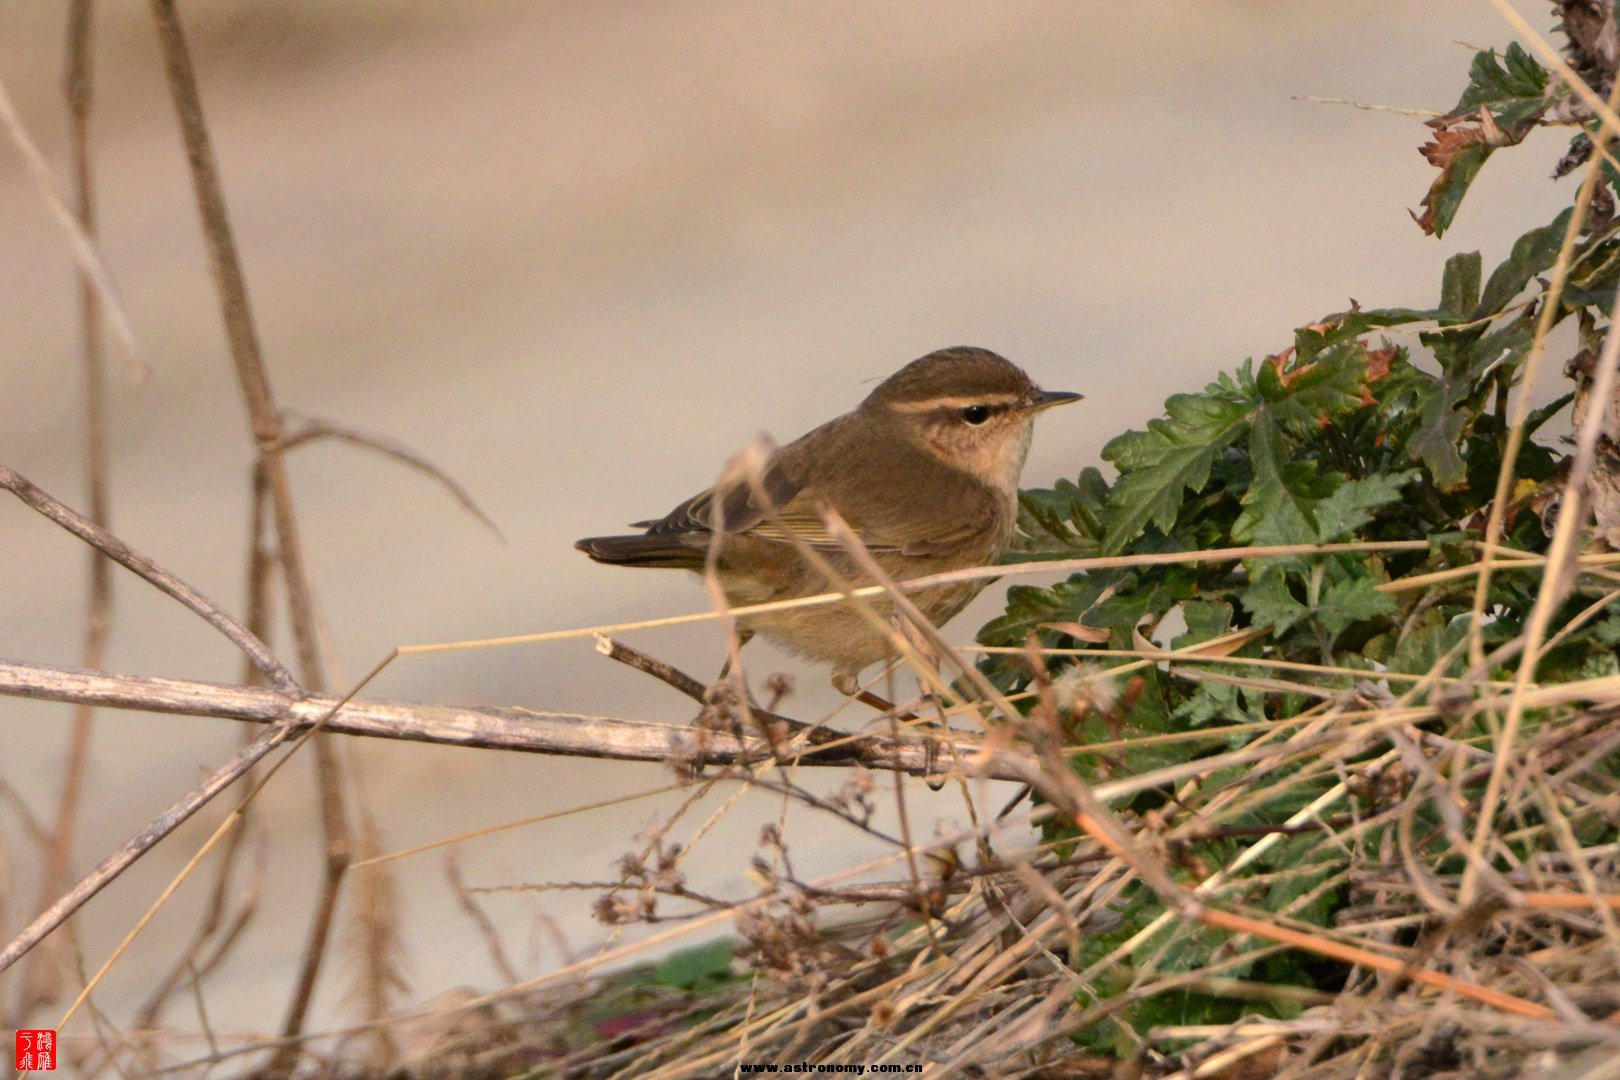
<point>1452,136</point>
<point>1090,634</point>
<point>1379,362</point>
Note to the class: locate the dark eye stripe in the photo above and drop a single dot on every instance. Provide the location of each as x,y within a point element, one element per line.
<point>975,414</point>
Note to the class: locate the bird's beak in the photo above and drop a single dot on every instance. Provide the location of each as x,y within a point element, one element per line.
<point>1048,398</point>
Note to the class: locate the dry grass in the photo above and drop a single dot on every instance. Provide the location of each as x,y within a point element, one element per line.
<point>985,960</point>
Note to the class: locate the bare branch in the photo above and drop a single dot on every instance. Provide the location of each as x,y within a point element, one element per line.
<point>312,429</point>
<point>42,980</point>
<point>124,555</point>
<point>268,430</point>
<point>658,669</point>
<point>84,246</point>
<point>487,727</point>
<point>142,842</point>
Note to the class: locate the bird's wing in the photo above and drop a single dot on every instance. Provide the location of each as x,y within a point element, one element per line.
<point>909,535</point>
<point>739,511</point>
<point>934,513</point>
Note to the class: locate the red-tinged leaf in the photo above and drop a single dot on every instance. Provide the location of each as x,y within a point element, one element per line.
<point>1379,363</point>
<point>1458,149</point>
<point>642,1023</point>
<point>1092,635</point>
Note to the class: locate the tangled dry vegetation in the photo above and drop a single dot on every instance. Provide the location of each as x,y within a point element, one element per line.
<point>1359,817</point>
<point>1319,738</point>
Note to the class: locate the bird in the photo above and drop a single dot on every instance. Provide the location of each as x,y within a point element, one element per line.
<point>924,471</point>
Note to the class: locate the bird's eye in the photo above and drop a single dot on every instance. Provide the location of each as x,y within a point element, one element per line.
<point>976,414</point>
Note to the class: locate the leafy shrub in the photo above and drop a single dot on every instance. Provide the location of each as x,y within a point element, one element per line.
<point>1350,436</point>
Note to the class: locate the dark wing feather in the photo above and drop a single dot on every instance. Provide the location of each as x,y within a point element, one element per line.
<point>739,511</point>
<point>936,509</point>
<point>935,512</point>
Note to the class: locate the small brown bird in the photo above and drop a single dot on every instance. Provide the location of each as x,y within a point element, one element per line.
<point>925,471</point>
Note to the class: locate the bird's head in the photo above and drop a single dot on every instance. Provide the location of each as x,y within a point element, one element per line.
<point>969,407</point>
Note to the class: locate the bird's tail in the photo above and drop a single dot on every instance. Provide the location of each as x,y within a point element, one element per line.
<point>642,550</point>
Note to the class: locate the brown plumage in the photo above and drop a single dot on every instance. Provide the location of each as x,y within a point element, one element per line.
<point>925,471</point>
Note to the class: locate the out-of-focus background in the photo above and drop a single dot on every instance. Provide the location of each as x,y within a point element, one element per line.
<point>577,254</point>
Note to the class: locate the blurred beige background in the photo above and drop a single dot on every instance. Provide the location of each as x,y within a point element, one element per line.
<point>577,254</point>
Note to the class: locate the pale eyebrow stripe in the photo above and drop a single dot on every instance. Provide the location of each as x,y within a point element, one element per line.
<point>995,401</point>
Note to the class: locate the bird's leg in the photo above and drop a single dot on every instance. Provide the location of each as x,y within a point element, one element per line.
<point>743,638</point>
<point>881,704</point>
<point>924,647</point>
<point>930,656</point>
<point>744,693</point>
<point>847,682</point>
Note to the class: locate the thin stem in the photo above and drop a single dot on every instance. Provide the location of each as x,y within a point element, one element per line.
<point>267,429</point>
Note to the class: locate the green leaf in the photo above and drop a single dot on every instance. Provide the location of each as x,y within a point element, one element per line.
<point>1433,638</point>
<point>1537,417</point>
<point>1172,456</point>
<point>1600,665</point>
<point>1074,600</point>
<point>1063,518</point>
<point>1350,325</point>
<point>1277,507</point>
<point>1351,601</point>
<point>1269,602</point>
<point>1459,287</point>
<point>1446,193</point>
<point>696,968</point>
<point>1608,631</point>
<point>1327,386</point>
<point>1510,92</point>
<point>1443,425</point>
<point>1532,253</point>
<point>1213,702</point>
<point>1593,278</point>
<point>1028,606</point>
<point>1126,607</point>
<point>1354,502</point>
<point>1205,619</point>
<point>1512,87</point>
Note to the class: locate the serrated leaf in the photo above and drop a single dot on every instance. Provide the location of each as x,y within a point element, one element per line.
<point>1061,519</point>
<point>1210,701</point>
<point>1592,280</point>
<point>1028,608</point>
<point>1600,665</point>
<point>1433,638</point>
<point>1608,631</point>
<point>1350,601</point>
<point>1277,507</point>
<point>1354,502</point>
<point>1459,159</point>
<point>1512,86</point>
<point>1125,608</point>
<point>1172,456</point>
<point>1350,325</point>
<point>1537,417</point>
<point>1269,603</point>
<point>1502,103</point>
<point>1328,386</point>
